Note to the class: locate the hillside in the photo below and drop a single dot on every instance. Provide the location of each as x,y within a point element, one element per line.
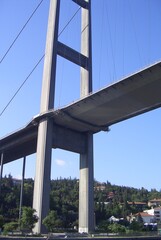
<point>110,200</point>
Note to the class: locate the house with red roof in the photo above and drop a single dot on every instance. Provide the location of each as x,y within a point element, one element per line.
<point>147,218</point>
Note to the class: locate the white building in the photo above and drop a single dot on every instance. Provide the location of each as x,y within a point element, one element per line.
<point>154,202</point>
<point>113,219</point>
<point>155,212</point>
<point>147,218</point>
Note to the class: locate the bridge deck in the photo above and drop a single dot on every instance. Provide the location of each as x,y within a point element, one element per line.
<point>134,95</point>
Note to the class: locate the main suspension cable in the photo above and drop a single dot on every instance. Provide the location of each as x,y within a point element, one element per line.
<point>24,26</point>
<point>7,105</point>
<point>22,85</point>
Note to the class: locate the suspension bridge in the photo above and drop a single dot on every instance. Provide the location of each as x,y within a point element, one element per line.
<point>72,127</point>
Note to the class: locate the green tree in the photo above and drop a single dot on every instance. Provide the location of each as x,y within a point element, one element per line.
<point>28,193</point>
<point>136,226</point>
<point>10,227</point>
<point>100,212</point>
<point>140,219</point>
<point>1,221</point>
<point>52,222</point>
<point>103,226</point>
<point>116,228</point>
<point>28,219</point>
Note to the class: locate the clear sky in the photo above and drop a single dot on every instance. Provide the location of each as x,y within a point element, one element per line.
<point>126,38</point>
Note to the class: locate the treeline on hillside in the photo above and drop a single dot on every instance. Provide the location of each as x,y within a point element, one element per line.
<point>110,200</point>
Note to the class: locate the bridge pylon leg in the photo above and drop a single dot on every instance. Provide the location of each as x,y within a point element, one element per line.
<point>42,177</point>
<point>45,128</point>
<point>86,200</point>
<point>1,173</point>
<point>86,195</point>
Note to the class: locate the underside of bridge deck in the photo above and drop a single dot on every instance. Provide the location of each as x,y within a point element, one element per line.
<point>127,98</point>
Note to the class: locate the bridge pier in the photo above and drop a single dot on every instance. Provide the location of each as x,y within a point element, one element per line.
<point>86,195</point>
<point>21,192</point>
<point>1,173</point>
<point>86,200</point>
<point>42,177</point>
<point>44,142</point>
<point>46,133</point>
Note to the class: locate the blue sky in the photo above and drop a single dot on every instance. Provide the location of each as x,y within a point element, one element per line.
<point>126,37</point>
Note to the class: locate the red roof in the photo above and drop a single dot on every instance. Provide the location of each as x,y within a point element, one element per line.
<point>144,214</point>
<point>155,200</point>
<point>137,203</point>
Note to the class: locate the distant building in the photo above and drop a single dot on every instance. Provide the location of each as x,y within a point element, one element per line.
<point>155,212</point>
<point>138,204</point>
<point>105,203</point>
<point>100,188</point>
<point>110,195</point>
<point>154,202</point>
<point>147,218</point>
<point>16,181</point>
<point>113,219</point>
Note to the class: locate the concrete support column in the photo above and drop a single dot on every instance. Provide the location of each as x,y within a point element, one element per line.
<point>44,142</point>
<point>21,192</point>
<point>1,173</point>
<point>86,196</point>
<point>86,50</point>
<point>42,177</point>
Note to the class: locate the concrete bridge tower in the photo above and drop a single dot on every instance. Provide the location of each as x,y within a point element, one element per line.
<point>46,129</point>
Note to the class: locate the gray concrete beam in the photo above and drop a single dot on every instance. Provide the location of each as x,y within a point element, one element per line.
<point>18,138</point>
<point>23,145</point>
<point>72,55</point>
<point>69,140</point>
<point>81,3</point>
